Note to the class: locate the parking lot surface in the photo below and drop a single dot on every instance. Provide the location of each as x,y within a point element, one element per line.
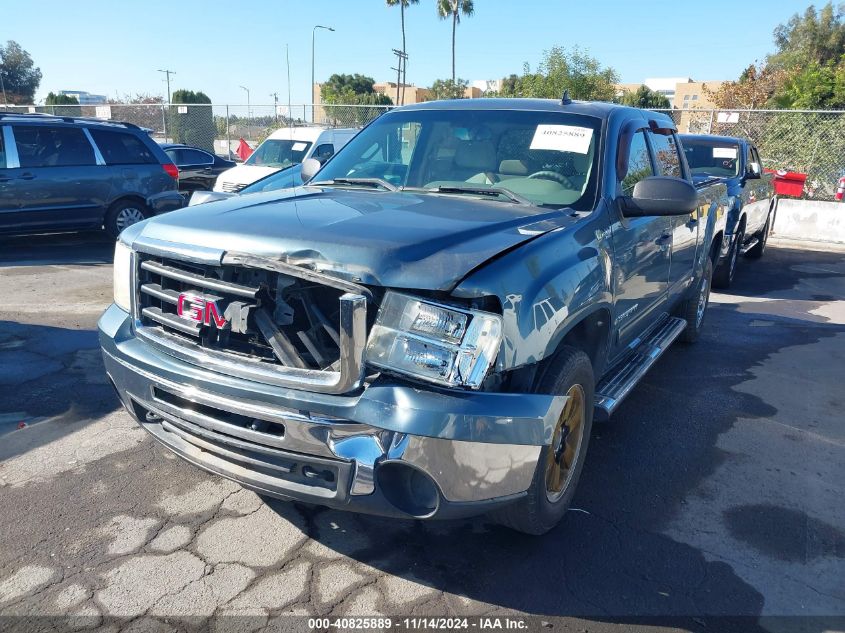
<point>717,488</point>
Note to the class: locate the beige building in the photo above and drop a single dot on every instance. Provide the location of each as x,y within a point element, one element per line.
<point>686,95</point>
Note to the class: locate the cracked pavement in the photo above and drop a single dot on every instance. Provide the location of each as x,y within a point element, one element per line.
<point>716,489</point>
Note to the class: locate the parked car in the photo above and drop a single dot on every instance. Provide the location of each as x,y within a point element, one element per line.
<point>427,328</point>
<point>283,148</point>
<point>198,169</point>
<point>282,179</point>
<point>736,162</point>
<point>72,173</point>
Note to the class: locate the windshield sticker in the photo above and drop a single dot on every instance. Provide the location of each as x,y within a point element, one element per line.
<point>724,152</point>
<point>298,147</point>
<point>563,138</point>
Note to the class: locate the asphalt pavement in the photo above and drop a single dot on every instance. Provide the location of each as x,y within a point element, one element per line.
<point>716,490</point>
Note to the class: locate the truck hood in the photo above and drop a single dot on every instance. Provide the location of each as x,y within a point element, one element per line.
<point>395,239</point>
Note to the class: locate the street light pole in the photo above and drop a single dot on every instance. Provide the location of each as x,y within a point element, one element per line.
<point>313,33</point>
<point>248,113</point>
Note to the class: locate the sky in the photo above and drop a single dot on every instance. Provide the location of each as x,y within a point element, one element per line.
<point>116,47</point>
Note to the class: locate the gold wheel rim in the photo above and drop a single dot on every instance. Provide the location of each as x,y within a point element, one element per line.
<point>566,444</point>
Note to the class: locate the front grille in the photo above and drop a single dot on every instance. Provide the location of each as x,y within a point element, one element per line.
<point>251,319</point>
<point>232,187</point>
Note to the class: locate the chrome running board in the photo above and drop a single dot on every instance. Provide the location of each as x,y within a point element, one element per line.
<point>616,385</point>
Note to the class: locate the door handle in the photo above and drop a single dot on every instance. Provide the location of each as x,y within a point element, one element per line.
<point>27,176</point>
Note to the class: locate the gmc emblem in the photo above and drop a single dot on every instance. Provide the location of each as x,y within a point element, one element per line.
<point>201,309</point>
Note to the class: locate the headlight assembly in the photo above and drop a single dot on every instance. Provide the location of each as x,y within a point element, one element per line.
<point>122,275</point>
<point>442,344</point>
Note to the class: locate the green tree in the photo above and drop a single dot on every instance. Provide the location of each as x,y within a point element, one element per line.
<point>448,89</point>
<point>645,97</point>
<point>454,9</point>
<point>68,106</point>
<point>815,36</point>
<point>341,84</point>
<point>341,90</point>
<point>194,125</point>
<point>20,78</point>
<point>564,69</point>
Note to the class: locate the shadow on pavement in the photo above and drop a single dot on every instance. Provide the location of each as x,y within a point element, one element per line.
<point>608,559</point>
<point>50,372</point>
<point>93,247</point>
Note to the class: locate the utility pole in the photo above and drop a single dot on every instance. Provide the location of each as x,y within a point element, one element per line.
<point>275,96</point>
<point>3,86</point>
<point>400,64</point>
<point>248,113</point>
<point>313,32</point>
<point>168,73</point>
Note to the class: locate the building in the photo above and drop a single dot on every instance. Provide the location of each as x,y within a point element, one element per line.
<point>84,98</point>
<point>667,86</point>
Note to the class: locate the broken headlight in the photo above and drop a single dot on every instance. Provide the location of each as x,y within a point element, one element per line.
<point>122,275</point>
<point>443,344</point>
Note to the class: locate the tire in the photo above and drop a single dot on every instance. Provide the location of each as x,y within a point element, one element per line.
<point>760,247</point>
<point>124,213</point>
<point>693,310</point>
<point>570,372</point>
<point>723,276</point>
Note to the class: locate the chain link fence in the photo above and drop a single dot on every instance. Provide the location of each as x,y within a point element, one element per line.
<point>810,142</point>
<point>216,128</point>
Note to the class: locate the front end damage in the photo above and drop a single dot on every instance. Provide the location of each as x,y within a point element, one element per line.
<point>282,401</point>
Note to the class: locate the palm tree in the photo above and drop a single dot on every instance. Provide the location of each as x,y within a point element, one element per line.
<point>454,9</point>
<point>402,4</point>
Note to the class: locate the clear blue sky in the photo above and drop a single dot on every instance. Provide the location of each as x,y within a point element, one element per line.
<point>110,47</point>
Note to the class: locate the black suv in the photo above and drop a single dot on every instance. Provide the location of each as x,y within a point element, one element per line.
<point>69,173</point>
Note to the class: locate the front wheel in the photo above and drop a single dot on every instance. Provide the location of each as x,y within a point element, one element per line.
<point>556,476</point>
<point>124,213</point>
<point>723,276</point>
<point>694,308</point>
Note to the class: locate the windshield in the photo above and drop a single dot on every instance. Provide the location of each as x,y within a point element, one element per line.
<point>284,179</point>
<point>548,158</point>
<point>279,153</point>
<point>711,158</point>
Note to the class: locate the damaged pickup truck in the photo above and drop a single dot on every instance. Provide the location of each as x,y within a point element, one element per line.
<point>428,328</point>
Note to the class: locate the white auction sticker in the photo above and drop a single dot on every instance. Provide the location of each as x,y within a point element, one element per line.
<point>563,138</point>
<point>724,152</point>
<point>298,147</point>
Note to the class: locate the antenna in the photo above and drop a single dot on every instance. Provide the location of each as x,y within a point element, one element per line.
<point>565,100</point>
<point>290,112</point>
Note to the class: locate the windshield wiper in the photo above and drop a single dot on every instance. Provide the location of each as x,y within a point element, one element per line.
<point>482,191</point>
<point>367,182</point>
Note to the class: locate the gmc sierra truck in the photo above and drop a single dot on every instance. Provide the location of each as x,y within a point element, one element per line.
<point>429,326</point>
<point>752,203</point>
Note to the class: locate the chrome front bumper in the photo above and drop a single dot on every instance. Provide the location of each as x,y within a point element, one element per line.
<point>479,449</point>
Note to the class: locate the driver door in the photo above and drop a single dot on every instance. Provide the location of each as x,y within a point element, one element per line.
<point>642,251</point>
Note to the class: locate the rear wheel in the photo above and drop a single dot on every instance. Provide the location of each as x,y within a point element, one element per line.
<point>124,213</point>
<point>556,476</point>
<point>757,251</point>
<point>694,308</point>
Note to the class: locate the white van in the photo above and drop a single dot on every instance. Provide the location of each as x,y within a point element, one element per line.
<point>281,149</point>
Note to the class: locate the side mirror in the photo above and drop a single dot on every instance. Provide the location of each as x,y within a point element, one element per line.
<point>660,195</point>
<point>753,171</point>
<point>310,167</point>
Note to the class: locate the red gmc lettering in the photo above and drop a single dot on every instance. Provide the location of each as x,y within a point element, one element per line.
<point>199,309</point>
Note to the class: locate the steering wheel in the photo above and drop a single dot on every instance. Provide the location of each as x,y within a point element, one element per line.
<point>548,174</point>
